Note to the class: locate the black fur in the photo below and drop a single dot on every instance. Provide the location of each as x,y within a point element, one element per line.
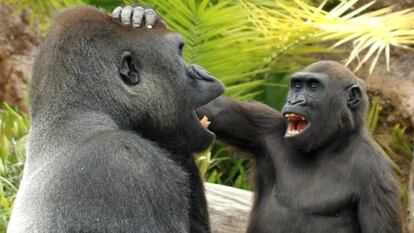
<point>330,178</point>
<point>113,132</point>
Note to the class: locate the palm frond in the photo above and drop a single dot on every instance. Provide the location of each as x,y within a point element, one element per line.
<point>372,33</point>
<point>216,38</point>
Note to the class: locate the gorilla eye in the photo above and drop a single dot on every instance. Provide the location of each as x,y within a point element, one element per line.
<point>313,83</point>
<point>296,84</point>
<point>181,47</point>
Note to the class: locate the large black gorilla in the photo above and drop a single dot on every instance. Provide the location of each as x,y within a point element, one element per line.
<point>114,130</point>
<point>316,168</point>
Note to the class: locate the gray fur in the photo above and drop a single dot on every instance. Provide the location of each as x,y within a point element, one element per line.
<point>105,156</point>
<point>330,178</point>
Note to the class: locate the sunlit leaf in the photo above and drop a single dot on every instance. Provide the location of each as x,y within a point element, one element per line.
<point>372,32</point>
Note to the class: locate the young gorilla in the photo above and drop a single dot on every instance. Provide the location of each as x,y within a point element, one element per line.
<point>316,169</point>
<point>114,130</point>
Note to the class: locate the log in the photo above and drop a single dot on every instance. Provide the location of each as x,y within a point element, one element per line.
<point>229,208</point>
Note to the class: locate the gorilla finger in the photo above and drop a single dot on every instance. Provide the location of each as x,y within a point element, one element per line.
<point>162,21</point>
<point>137,17</point>
<point>150,18</point>
<point>126,15</point>
<point>116,13</point>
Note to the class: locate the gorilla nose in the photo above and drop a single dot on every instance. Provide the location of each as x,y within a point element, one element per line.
<point>297,102</point>
<point>196,71</point>
<point>203,86</point>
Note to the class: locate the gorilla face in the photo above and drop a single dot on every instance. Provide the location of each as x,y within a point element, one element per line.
<point>304,104</point>
<point>134,76</point>
<point>165,90</point>
<point>319,108</point>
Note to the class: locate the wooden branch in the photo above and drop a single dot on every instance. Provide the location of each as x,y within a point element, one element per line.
<point>229,208</point>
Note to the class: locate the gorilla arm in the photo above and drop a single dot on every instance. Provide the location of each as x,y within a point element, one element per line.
<point>241,124</point>
<point>379,205</point>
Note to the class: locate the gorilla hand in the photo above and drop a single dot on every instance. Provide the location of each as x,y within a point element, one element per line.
<point>136,16</point>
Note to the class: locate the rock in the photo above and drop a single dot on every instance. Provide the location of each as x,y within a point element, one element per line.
<point>18,41</point>
<point>394,87</point>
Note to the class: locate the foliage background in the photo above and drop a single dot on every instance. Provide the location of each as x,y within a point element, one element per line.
<point>252,46</point>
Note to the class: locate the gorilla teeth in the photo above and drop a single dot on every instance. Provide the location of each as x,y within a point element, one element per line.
<point>296,123</point>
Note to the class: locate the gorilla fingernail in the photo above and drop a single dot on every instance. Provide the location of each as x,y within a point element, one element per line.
<point>150,18</point>
<point>137,17</point>
<point>126,15</point>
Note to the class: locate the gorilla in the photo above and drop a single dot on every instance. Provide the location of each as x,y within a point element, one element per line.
<point>316,169</point>
<point>113,130</point>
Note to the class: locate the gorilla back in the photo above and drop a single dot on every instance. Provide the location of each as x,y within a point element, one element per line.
<point>113,131</point>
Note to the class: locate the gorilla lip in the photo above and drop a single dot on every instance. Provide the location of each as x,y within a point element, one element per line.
<point>296,124</point>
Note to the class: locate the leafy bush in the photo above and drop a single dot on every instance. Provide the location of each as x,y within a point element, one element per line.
<point>224,167</point>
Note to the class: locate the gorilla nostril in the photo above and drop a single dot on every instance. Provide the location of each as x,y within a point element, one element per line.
<point>192,73</point>
<point>202,72</point>
<point>297,102</point>
<point>197,72</point>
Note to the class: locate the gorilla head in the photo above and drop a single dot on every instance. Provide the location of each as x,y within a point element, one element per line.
<point>137,77</point>
<point>325,103</point>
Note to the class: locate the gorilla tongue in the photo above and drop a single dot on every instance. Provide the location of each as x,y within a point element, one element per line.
<point>296,123</point>
<point>204,122</point>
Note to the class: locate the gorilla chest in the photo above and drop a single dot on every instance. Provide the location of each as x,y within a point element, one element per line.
<point>310,200</point>
<point>320,188</point>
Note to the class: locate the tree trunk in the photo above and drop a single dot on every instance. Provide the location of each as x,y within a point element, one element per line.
<point>229,208</point>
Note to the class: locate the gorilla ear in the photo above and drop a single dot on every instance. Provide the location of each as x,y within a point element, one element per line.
<point>354,98</point>
<point>128,68</point>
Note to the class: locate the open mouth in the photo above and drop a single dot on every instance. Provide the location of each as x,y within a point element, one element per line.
<point>203,121</point>
<point>296,124</point>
